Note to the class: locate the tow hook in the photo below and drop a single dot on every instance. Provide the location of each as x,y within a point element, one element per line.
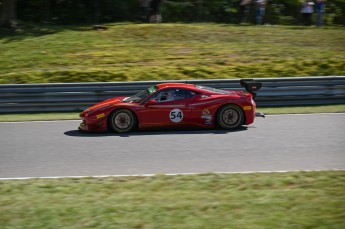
<point>259,114</point>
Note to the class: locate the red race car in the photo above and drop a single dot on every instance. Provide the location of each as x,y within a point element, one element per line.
<point>173,105</point>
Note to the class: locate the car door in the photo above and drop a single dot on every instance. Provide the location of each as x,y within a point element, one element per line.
<point>168,107</point>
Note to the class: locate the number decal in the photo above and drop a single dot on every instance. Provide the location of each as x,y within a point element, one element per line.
<point>176,115</point>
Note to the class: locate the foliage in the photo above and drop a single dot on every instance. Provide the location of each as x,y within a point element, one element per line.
<point>271,200</point>
<point>284,12</point>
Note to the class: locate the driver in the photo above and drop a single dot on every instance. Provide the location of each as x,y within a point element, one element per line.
<point>170,96</point>
<point>167,96</point>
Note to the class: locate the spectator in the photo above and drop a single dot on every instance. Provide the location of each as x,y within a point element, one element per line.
<point>260,11</point>
<point>155,15</point>
<point>307,11</point>
<point>320,11</point>
<point>145,10</point>
<point>245,10</point>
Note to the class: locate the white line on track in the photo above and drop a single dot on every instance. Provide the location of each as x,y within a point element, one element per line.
<point>305,114</point>
<point>77,120</point>
<point>169,174</point>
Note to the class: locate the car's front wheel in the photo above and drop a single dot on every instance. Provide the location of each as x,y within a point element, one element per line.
<point>230,117</point>
<point>122,121</point>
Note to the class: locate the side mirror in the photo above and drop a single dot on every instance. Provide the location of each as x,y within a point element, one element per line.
<point>151,102</point>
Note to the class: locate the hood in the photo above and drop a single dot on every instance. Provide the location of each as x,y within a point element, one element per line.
<point>104,104</point>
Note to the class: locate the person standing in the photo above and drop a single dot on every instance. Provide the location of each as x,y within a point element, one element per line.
<point>307,11</point>
<point>320,11</point>
<point>155,15</point>
<point>260,11</point>
<point>145,10</point>
<point>245,10</point>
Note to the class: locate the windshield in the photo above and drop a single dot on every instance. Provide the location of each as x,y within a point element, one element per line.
<point>220,91</point>
<point>141,95</point>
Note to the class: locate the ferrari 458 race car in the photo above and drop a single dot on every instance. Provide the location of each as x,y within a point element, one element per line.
<point>173,105</point>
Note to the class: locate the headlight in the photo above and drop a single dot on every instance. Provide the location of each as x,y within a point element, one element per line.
<point>97,110</point>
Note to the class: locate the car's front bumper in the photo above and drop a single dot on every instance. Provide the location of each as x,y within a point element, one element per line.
<point>91,125</point>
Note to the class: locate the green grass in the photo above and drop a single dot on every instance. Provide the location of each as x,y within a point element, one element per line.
<point>131,52</point>
<point>39,117</point>
<point>265,110</point>
<point>269,200</point>
<point>303,109</point>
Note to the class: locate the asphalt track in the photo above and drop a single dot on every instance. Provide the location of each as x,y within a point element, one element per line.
<point>276,143</point>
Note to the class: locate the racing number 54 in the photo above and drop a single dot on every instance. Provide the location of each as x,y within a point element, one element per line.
<point>176,115</point>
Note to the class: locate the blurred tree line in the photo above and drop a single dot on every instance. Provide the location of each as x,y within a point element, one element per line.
<point>285,12</point>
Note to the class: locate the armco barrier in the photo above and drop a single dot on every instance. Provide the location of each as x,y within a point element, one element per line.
<point>21,98</point>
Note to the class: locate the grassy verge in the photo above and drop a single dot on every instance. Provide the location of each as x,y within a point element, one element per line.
<point>131,52</point>
<point>39,117</point>
<point>303,109</point>
<point>273,200</point>
<point>265,110</point>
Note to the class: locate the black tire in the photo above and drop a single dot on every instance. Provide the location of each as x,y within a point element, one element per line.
<point>122,121</point>
<point>230,117</point>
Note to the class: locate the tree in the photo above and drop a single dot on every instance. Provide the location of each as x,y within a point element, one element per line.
<point>8,13</point>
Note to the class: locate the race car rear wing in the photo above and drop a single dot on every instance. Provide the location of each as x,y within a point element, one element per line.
<point>251,85</point>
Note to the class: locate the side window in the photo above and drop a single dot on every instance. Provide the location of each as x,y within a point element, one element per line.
<point>190,94</point>
<point>173,95</point>
<point>162,96</point>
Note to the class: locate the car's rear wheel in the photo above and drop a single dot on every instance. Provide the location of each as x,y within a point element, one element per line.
<point>122,121</point>
<point>230,117</point>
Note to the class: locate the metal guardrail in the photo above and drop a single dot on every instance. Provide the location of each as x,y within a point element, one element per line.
<point>21,98</point>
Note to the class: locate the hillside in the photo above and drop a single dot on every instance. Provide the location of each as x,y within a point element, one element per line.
<point>131,52</point>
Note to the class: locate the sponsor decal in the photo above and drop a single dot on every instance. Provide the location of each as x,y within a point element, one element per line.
<point>208,119</point>
<point>206,112</point>
<point>100,115</point>
<point>247,108</point>
<point>176,115</point>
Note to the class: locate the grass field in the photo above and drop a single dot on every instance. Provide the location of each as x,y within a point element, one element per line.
<point>130,52</point>
<point>237,201</point>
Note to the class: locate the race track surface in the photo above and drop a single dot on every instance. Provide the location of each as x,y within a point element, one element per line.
<point>276,143</point>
